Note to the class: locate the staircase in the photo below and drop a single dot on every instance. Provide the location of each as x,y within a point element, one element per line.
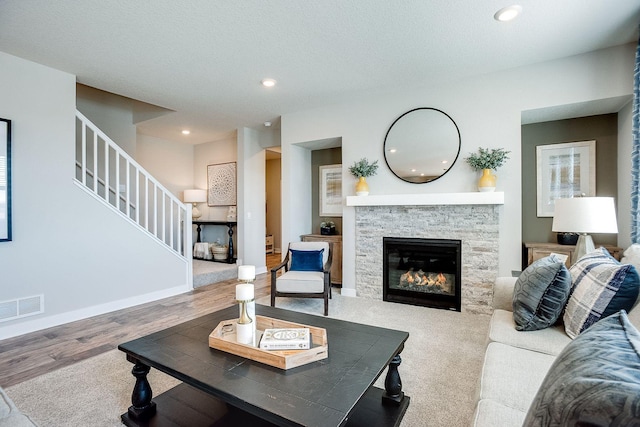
<point>109,174</point>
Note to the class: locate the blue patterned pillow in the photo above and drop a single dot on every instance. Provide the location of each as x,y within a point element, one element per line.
<point>601,286</point>
<point>306,260</point>
<point>540,294</point>
<point>594,381</point>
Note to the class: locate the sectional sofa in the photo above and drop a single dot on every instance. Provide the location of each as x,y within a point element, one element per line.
<point>517,362</point>
<point>10,416</point>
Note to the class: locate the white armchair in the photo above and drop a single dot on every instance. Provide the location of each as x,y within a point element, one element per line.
<point>307,273</point>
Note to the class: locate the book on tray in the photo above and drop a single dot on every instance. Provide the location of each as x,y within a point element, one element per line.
<point>286,339</point>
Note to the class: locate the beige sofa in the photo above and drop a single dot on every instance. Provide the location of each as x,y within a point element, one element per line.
<point>516,362</point>
<point>10,416</point>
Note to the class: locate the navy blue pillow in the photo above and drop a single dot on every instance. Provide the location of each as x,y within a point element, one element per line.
<point>306,260</point>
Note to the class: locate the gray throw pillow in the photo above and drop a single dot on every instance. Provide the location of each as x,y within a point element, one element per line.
<point>540,294</point>
<point>595,380</point>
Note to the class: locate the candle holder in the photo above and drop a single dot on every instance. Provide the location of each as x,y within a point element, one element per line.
<point>244,318</point>
<point>246,325</point>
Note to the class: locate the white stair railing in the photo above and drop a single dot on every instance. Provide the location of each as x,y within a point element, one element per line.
<point>110,174</point>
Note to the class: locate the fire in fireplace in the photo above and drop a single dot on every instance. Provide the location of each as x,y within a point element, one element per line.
<point>422,272</point>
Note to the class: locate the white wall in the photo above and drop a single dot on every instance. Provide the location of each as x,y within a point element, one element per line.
<point>211,153</point>
<point>625,146</point>
<point>113,114</point>
<point>81,256</point>
<point>251,200</point>
<point>487,110</point>
<point>169,162</point>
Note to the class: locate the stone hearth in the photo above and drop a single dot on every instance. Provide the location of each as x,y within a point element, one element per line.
<point>476,225</point>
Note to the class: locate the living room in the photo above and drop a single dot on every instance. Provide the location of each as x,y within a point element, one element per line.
<point>72,238</point>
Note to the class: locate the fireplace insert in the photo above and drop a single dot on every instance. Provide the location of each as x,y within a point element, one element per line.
<point>422,272</point>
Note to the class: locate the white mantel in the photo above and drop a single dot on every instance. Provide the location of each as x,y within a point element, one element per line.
<point>428,199</point>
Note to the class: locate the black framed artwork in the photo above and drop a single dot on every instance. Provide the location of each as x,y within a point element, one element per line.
<point>5,180</point>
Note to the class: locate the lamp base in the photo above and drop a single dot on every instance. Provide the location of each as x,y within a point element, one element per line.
<point>195,213</point>
<point>584,246</point>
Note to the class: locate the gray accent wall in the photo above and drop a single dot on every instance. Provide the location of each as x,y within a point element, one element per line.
<point>604,130</point>
<point>329,156</point>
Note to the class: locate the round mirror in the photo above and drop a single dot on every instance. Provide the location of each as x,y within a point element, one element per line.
<point>422,145</point>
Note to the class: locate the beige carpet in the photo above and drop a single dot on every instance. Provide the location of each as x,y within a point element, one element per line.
<point>441,364</point>
<point>208,272</point>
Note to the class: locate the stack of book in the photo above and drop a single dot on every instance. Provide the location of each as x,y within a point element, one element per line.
<point>286,339</point>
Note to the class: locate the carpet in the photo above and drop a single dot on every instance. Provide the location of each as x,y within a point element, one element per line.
<point>440,369</point>
<point>208,272</point>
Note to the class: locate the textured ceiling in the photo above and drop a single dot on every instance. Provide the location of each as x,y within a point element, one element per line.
<point>204,59</point>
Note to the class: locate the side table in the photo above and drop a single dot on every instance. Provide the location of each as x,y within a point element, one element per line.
<point>535,251</point>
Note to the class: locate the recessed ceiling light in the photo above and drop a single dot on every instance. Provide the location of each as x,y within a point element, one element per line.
<point>392,150</point>
<point>186,132</point>
<point>267,124</point>
<point>413,170</point>
<point>444,162</point>
<point>268,82</point>
<point>508,13</point>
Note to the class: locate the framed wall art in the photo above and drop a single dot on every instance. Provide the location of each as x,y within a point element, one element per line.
<point>331,190</point>
<point>5,180</point>
<point>221,184</point>
<point>563,171</point>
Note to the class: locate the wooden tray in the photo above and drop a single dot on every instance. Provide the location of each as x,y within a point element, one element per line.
<point>283,359</point>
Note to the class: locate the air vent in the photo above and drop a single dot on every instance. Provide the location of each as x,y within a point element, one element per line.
<point>21,307</point>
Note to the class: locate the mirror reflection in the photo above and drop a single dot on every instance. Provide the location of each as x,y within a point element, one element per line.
<point>422,145</point>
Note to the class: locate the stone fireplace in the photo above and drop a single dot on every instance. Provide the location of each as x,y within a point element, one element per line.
<point>471,218</point>
<point>422,272</point>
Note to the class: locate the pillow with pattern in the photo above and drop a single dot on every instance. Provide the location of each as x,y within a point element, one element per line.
<point>601,286</point>
<point>594,381</point>
<point>540,294</point>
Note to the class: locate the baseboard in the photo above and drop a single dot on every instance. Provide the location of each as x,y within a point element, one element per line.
<point>348,292</point>
<point>45,322</point>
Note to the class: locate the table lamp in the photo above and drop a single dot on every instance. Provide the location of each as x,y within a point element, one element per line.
<point>194,197</point>
<point>584,215</point>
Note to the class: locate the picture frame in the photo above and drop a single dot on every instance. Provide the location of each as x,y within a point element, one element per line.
<point>222,184</point>
<point>330,190</point>
<point>5,180</point>
<point>562,171</point>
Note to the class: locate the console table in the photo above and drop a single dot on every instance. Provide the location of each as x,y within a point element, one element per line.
<point>230,224</point>
<point>535,251</point>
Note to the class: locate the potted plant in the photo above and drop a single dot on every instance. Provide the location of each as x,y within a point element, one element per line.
<point>361,170</point>
<point>327,228</point>
<point>486,160</point>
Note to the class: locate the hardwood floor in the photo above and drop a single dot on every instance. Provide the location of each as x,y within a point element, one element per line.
<point>30,355</point>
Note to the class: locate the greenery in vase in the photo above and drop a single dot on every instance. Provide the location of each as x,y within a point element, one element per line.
<point>363,168</point>
<point>487,158</point>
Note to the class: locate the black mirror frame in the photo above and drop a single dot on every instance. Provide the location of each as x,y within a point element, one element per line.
<point>384,151</point>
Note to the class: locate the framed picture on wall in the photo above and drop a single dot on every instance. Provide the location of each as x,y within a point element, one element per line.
<point>221,184</point>
<point>330,190</point>
<point>5,180</point>
<point>563,171</point>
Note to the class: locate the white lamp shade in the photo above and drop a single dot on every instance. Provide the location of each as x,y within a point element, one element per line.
<point>585,215</point>
<point>195,196</point>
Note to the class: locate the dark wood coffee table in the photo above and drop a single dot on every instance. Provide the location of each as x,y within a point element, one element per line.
<point>221,389</point>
